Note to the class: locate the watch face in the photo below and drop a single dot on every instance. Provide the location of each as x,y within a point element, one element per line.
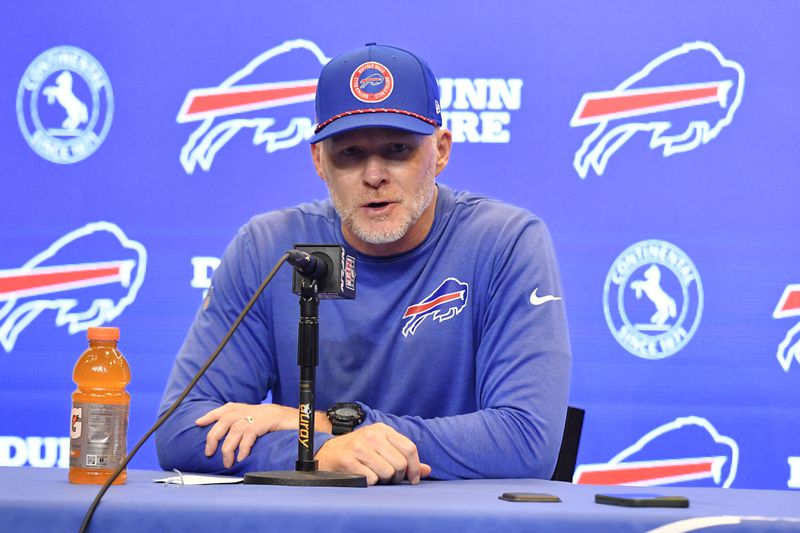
<point>347,412</point>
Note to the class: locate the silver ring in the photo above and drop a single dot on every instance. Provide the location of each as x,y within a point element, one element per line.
<point>249,419</point>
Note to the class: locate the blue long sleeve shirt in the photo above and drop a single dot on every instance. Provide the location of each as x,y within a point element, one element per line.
<point>456,344</point>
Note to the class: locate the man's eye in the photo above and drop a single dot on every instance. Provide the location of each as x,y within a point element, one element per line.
<point>397,147</point>
<point>349,152</point>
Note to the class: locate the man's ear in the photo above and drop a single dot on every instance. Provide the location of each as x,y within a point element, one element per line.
<point>444,143</point>
<point>316,157</point>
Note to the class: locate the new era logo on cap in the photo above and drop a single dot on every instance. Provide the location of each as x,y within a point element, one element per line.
<point>376,87</point>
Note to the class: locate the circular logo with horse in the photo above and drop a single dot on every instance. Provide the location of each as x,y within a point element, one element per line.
<point>653,299</point>
<point>65,104</point>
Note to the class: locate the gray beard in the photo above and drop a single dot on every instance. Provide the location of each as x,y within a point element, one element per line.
<point>415,207</point>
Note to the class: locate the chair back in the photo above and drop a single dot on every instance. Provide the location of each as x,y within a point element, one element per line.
<point>568,454</point>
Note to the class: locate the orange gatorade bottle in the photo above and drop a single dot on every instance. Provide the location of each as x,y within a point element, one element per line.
<point>99,421</point>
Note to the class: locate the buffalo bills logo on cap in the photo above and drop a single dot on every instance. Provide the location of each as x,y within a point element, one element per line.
<point>371,82</point>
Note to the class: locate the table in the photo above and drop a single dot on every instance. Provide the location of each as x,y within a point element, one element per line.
<point>39,500</point>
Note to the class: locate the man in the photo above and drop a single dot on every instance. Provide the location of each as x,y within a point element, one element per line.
<point>455,350</point>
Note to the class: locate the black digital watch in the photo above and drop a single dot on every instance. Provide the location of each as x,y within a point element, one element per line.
<point>344,417</point>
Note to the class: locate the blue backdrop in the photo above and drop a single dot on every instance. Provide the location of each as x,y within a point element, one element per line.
<point>656,139</point>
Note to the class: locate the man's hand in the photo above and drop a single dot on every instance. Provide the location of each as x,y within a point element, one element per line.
<point>241,424</point>
<point>376,451</point>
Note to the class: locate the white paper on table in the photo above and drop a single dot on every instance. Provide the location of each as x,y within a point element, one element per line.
<point>198,479</point>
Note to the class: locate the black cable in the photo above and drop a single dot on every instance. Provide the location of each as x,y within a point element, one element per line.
<point>87,518</point>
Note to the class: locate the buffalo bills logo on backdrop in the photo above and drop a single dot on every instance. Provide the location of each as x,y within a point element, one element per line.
<point>65,104</point>
<point>371,82</point>
<point>272,96</point>
<point>653,299</point>
<point>688,450</point>
<point>683,98</point>
<point>88,277</point>
<point>444,303</point>
<point>789,306</point>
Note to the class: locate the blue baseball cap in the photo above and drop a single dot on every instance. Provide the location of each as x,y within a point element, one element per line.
<point>376,87</point>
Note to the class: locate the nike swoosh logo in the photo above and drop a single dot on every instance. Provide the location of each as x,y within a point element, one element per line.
<point>539,300</point>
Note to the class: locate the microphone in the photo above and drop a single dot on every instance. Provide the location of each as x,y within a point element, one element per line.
<point>332,265</point>
<point>334,268</point>
<point>307,265</point>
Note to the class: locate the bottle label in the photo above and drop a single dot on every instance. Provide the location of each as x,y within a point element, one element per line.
<point>97,435</point>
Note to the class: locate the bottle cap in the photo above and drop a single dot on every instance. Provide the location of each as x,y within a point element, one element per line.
<point>102,334</point>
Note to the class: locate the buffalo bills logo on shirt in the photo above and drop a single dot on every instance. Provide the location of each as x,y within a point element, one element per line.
<point>448,300</point>
<point>371,82</point>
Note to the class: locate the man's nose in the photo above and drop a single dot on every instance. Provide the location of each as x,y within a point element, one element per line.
<point>375,171</point>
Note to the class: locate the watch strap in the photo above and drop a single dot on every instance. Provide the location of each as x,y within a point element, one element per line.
<point>341,427</point>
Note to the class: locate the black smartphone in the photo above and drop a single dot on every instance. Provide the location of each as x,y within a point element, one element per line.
<point>529,497</point>
<point>641,500</point>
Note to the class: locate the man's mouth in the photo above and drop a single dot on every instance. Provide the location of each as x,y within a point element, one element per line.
<point>381,208</point>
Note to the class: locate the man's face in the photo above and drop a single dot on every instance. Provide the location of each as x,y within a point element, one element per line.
<point>382,184</point>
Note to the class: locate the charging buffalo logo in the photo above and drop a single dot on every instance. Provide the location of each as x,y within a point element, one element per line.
<point>444,303</point>
<point>683,98</point>
<point>789,306</point>
<point>371,82</point>
<point>689,450</point>
<point>88,277</point>
<point>262,97</point>
<point>653,299</point>
<point>65,104</point>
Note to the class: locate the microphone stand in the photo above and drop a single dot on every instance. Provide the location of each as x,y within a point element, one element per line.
<point>306,472</point>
